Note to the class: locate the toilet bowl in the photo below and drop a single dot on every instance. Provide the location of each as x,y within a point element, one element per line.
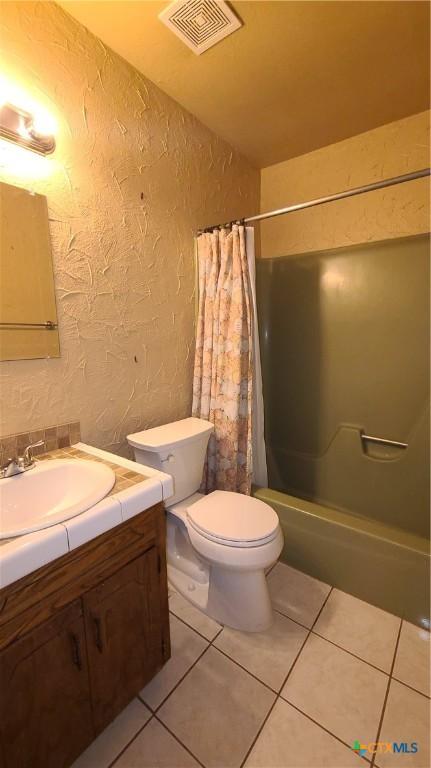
<point>219,545</point>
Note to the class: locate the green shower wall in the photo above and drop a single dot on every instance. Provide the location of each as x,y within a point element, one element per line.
<point>345,347</point>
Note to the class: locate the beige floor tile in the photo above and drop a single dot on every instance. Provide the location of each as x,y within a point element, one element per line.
<point>407,719</point>
<point>290,740</point>
<point>115,737</point>
<point>155,748</point>
<point>203,624</point>
<point>186,646</point>
<point>268,655</point>
<point>340,692</point>
<point>295,594</point>
<point>412,663</point>
<point>217,710</point>
<point>359,627</point>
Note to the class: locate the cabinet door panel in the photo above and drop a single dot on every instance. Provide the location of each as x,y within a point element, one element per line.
<point>45,712</point>
<point>123,626</point>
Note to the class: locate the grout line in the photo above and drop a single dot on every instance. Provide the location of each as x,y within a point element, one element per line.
<point>278,695</point>
<point>280,613</point>
<point>310,631</point>
<point>264,721</point>
<point>144,702</point>
<point>401,682</point>
<point>355,656</point>
<point>285,679</point>
<point>275,701</point>
<point>271,568</point>
<point>180,680</point>
<point>323,727</point>
<point>385,701</point>
<point>156,709</point>
<point>273,690</point>
<point>129,742</point>
<point>286,616</point>
<point>321,609</point>
<point>196,630</point>
<point>220,650</point>
<point>341,647</point>
<point>179,741</point>
<point>216,636</point>
<point>211,644</point>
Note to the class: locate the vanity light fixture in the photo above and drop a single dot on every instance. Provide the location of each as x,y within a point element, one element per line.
<point>18,127</point>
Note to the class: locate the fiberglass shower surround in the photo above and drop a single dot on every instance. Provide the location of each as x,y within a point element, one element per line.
<point>354,511</point>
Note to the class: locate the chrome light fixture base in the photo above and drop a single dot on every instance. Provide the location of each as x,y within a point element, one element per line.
<point>17,126</point>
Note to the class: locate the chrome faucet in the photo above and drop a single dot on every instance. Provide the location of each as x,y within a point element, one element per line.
<point>19,464</point>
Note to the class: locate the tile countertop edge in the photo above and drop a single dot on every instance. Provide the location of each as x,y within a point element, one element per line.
<point>24,554</point>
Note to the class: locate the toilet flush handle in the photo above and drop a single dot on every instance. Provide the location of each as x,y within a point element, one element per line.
<point>170,457</point>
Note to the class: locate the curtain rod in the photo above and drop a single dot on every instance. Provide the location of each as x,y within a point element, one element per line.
<point>328,199</point>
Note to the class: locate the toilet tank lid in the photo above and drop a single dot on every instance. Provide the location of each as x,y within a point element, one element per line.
<point>168,435</point>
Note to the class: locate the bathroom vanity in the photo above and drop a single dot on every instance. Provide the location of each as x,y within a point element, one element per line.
<point>81,636</point>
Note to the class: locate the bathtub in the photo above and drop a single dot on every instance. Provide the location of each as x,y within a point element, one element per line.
<point>384,565</point>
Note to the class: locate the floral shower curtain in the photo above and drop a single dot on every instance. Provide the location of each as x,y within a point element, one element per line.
<point>223,374</point>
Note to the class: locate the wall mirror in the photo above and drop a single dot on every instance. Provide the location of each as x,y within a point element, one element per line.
<point>28,314</point>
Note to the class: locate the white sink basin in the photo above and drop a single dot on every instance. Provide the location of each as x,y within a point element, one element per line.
<point>53,491</point>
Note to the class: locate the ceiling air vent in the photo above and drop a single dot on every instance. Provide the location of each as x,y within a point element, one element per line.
<point>200,24</point>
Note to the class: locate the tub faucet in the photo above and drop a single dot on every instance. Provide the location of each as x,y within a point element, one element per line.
<point>19,464</point>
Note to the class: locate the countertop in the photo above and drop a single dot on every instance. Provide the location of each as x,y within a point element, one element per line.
<point>136,488</point>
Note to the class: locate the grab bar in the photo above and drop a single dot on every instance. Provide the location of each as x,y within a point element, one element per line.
<point>383,441</point>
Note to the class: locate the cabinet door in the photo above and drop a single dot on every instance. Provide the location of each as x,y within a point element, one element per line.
<point>45,712</point>
<point>124,635</point>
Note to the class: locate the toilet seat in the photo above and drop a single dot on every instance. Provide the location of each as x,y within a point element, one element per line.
<point>234,520</point>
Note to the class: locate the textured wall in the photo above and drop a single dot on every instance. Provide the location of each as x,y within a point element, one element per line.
<point>393,149</point>
<point>132,177</point>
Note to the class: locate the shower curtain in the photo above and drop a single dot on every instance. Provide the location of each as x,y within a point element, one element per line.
<point>227,363</point>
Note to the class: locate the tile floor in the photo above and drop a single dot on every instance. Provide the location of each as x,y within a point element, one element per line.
<point>331,670</point>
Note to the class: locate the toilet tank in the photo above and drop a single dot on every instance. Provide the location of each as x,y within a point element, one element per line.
<point>179,449</point>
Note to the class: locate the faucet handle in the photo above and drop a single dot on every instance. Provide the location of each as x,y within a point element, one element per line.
<point>7,462</point>
<point>9,467</point>
<point>27,456</point>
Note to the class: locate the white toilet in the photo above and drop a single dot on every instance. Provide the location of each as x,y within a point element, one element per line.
<point>220,545</point>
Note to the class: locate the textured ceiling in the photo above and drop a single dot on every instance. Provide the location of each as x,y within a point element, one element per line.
<point>296,76</point>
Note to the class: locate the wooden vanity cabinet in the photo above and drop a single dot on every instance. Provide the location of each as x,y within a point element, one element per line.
<point>80,637</point>
<point>47,674</point>
<point>122,623</point>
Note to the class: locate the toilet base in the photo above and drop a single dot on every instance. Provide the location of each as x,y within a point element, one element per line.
<point>236,596</point>
<point>237,599</point>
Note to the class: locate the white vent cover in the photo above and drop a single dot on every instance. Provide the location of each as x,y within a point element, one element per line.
<point>200,24</point>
